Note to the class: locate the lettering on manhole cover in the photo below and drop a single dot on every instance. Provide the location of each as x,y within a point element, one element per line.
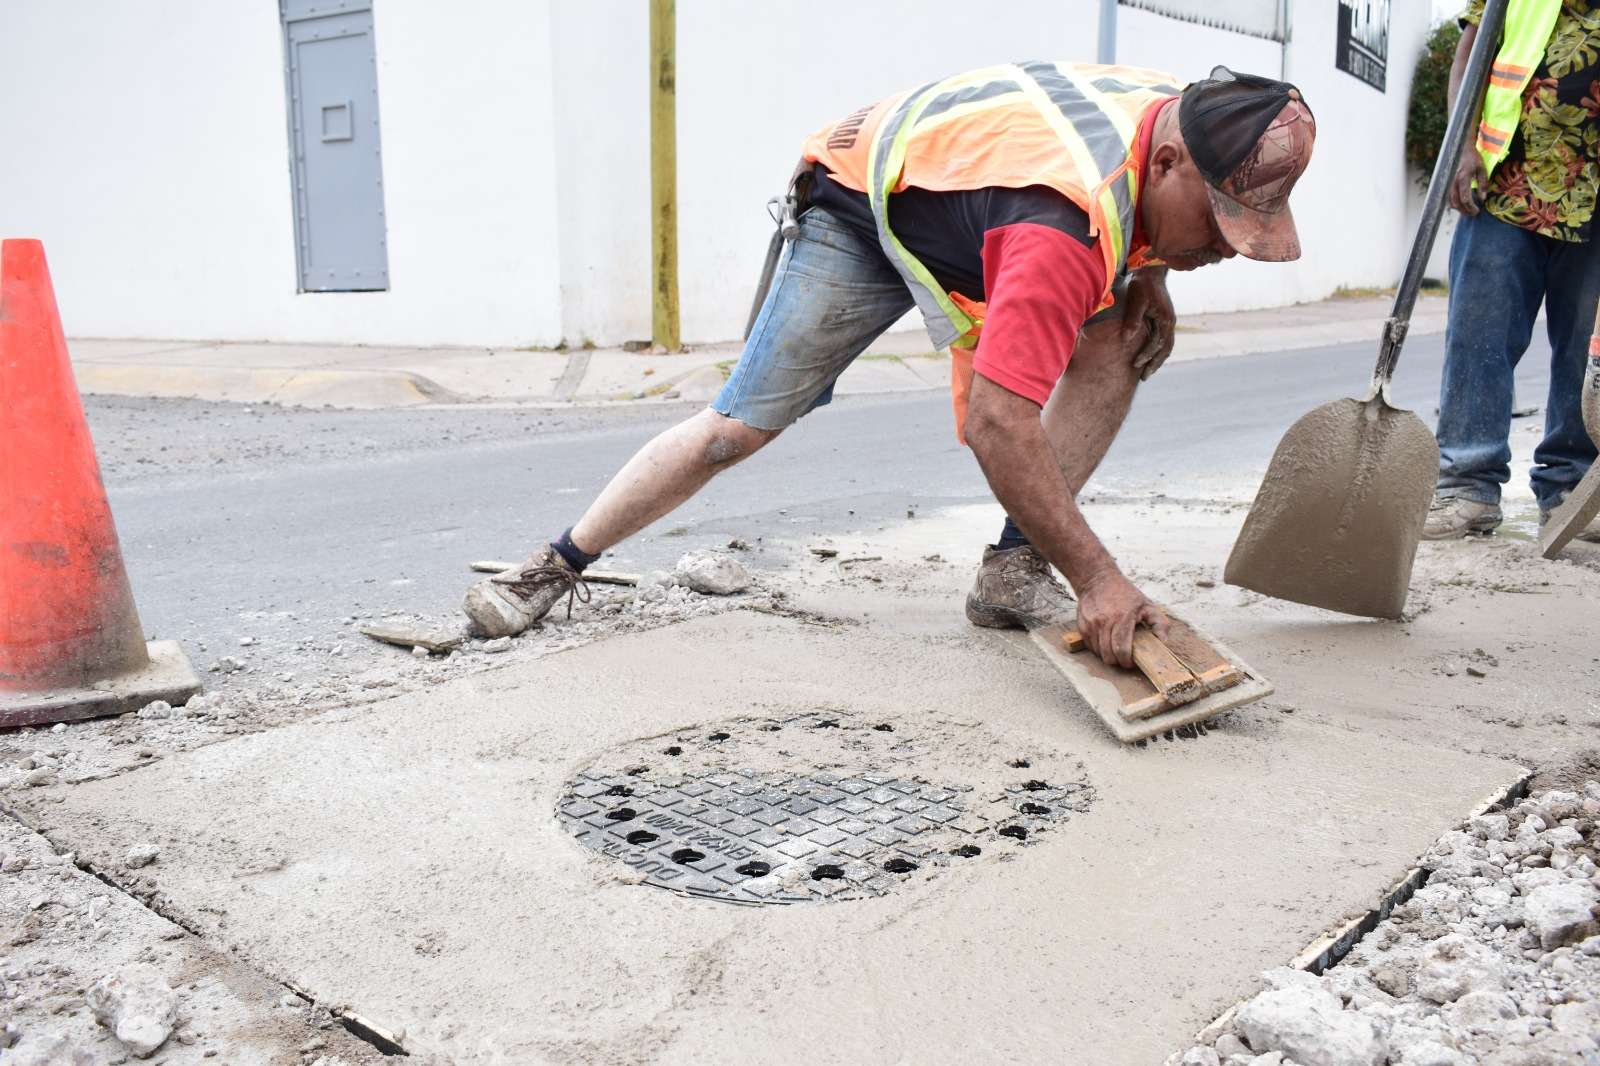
<point>814,807</point>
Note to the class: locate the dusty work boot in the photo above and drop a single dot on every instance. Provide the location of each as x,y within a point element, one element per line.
<point>1016,589</point>
<point>512,600</point>
<point>1453,517</point>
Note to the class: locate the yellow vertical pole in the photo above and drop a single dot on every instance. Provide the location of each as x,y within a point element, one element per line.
<point>664,174</point>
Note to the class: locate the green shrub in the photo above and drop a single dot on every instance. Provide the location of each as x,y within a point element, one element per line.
<point>1429,113</point>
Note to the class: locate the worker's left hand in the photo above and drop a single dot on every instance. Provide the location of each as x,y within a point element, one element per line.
<point>1149,310</point>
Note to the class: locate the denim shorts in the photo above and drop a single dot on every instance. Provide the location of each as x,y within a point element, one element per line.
<point>833,293</point>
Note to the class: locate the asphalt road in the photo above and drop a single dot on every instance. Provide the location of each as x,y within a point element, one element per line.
<point>226,511</point>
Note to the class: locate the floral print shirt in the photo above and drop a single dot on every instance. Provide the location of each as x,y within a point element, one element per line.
<point>1548,181</point>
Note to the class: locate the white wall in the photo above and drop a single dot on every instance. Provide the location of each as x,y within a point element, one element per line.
<point>1352,206</point>
<point>151,155</point>
<point>147,146</point>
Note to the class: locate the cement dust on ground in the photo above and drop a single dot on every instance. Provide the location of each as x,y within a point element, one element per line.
<point>417,871</point>
<point>401,855</point>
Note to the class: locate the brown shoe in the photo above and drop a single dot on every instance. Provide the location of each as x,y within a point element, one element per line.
<point>1016,589</point>
<point>513,600</point>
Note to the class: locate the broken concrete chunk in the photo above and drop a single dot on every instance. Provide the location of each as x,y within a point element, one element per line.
<point>1393,980</point>
<point>1561,836</point>
<point>42,776</point>
<point>1452,966</point>
<point>430,640</point>
<point>497,645</point>
<point>1481,1011</point>
<point>1561,914</point>
<point>1424,1052</point>
<point>41,1049</point>
<point>137,1005</point>
<point>712,573</point>
<point>1576,1018</point>
<point>140,855</point>
<point>1200,1056</point>
<point>1307,1025</point>
<point>1229,1046</point>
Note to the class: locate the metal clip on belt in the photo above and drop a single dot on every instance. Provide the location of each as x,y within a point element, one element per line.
<point>785,214</point>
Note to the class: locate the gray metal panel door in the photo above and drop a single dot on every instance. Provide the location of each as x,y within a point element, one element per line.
<point>337,162</point>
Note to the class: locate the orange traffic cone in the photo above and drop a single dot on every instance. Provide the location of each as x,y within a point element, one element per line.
<point>70,641</point>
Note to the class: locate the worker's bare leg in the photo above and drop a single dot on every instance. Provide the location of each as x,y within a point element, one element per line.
<point>1015,585</point>
<point>663,474</point>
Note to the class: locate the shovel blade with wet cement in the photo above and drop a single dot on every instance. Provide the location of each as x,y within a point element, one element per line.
<point>1339,514</point>
<point>1583,502</point>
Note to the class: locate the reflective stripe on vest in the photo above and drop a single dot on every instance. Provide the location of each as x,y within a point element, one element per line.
<point>1095,119</point>
<point>1529,24</point>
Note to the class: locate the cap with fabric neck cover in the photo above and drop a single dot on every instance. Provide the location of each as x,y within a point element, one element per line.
<point>1251,139</point>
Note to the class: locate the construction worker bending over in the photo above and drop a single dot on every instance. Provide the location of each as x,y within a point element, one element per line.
<point>1010,205</point>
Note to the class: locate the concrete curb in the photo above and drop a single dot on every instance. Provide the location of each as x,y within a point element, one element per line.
<point>363,378</point>
<point>355,389</point>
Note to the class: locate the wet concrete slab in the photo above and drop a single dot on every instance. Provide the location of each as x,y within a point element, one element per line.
<point>405,858</point>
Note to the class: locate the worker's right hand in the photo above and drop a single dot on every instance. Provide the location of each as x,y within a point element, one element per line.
<point>1469,170</point>
<point>1109,609</point>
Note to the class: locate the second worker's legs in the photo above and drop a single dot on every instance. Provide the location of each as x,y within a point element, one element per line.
<point>1497,277</point>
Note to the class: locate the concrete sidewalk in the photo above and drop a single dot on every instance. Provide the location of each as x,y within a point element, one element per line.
<point>373,377</point>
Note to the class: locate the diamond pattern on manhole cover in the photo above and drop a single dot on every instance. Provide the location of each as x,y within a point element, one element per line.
<point>745,835</point>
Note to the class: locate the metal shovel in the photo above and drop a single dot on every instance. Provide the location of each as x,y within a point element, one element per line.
<point>1338,516</point>
<point>1583,502</point>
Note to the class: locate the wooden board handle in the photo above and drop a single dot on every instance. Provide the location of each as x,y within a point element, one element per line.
<point>1176,683</point>
<point>1165,670</point>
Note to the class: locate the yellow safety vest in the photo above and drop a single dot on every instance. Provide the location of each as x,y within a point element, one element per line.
<point>1529,24</point>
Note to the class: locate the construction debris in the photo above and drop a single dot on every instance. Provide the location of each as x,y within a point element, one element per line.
<point>712,573</point>
<point>140,855</point>
<point>136,1004</point>
<point>1495,960</point>
<point>436,642</point>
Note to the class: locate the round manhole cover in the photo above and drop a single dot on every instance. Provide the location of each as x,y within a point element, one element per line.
<point>815,806</point>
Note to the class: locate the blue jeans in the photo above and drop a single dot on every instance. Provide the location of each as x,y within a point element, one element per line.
<point>833,293</point>
<point>1500,274</point>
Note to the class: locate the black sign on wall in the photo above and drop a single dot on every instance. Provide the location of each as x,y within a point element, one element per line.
<point>1363,40</point>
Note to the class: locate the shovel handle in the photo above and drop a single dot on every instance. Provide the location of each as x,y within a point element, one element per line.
<point>1591,385</point>
<point>1463,116</point>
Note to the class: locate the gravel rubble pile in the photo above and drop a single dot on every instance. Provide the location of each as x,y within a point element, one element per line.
<point>1495,961</point>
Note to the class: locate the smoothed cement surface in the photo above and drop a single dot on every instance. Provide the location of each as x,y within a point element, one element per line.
<point>404,858</point>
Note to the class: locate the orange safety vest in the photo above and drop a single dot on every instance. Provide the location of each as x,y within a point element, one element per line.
<point>1073,127</point>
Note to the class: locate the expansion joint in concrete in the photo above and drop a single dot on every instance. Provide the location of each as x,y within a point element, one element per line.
<point>358,1026</point>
